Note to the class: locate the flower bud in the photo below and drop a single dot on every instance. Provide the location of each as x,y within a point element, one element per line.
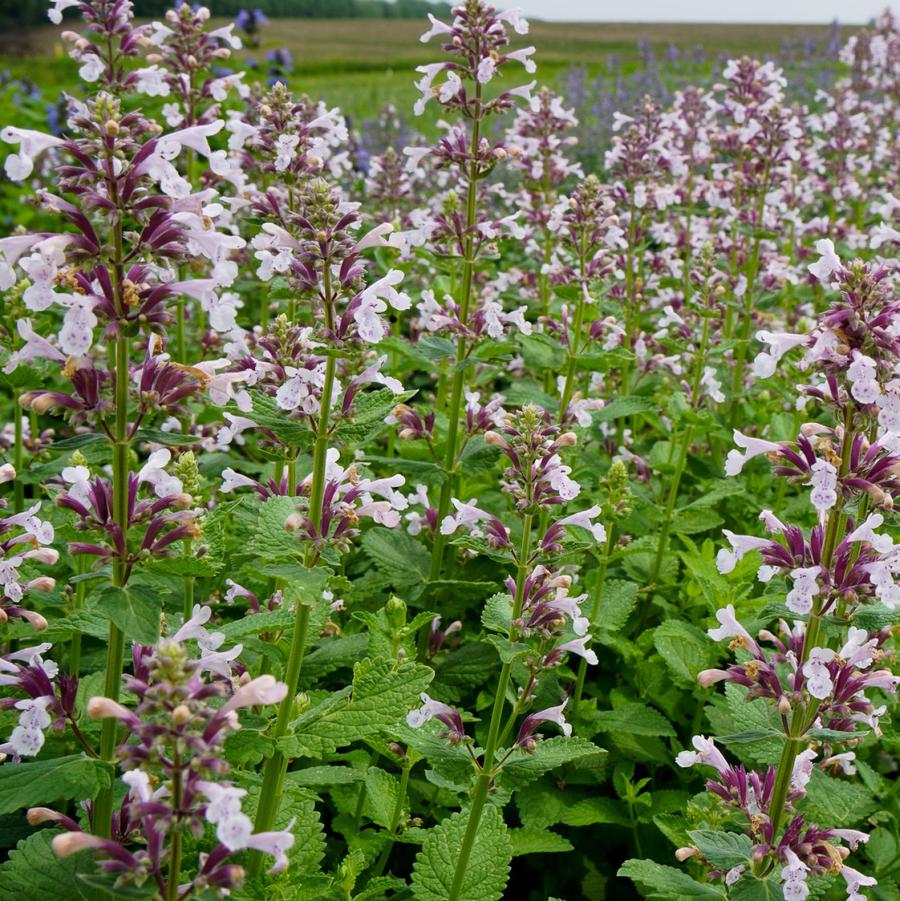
<point>73,842</point>
<point>567,439</point>
<point>41,583</point>
<point>784,705</point>
<point>495,439</point>
<point>294,522</point>
<point>395,611</point>
<point>181,714</point>
<point>111,127</point>
<point>38,815</point>
<point>153,58</point>
<point>101,708</point>
<point>683,854</point>
<point>7,473</point>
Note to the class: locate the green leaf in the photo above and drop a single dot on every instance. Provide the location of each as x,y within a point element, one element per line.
<point>684,648</point>
<point>34,873</point>
<point>487,870</point>
<point>617,600</point>
<point>41,782</point>
<point>550,753</point>
<point>666,883</point>
<point>76,442</point>
<point>625,406</point>
<point>381,694</point>
<point>398,555</point>
<point>268,415</point>
<point>537,841</point>
<point>591,811</point>
<point>633,718</point>
<point>367,417</point>
<point>723,850</point>
<point>749,888</point>
<point>166,439</point>
<point>837,802</point>
<point>270,538</point>
<point>134,610</point>
<point>382,791</point>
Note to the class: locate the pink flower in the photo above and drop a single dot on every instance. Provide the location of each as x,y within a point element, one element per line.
<point>729,627</point>
<point>706,754</point>
<point>753,447</point>
<point>260,691</point>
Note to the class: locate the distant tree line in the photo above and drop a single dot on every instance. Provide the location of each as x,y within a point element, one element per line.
<point>24,13</point>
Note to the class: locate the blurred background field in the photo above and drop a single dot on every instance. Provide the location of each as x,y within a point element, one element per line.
<point>362,65</point>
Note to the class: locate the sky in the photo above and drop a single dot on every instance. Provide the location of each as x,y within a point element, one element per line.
<point>849,11</point>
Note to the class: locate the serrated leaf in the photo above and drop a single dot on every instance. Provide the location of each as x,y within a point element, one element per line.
<point>633,718</point>
<point>266,414</point>
<point>370,409</point>
<point>40,782</point>
<point>549,753</point>
<point>270,538</point>
<point>837,802</point>
<point>591,811</point>
<point>379,698</point>
<point>166,439</point>
<point>617,600</point>
<point>34,873</point>
<point>382,791</point>
<point>749,888</point>
<point>537,841</point>
<point>684,648</point>
<point>666,883</point>
<point>487,869</point>
<point>135,610</point>
<point>723,850</point>
<point>624,406</point>
<point>398,555</point>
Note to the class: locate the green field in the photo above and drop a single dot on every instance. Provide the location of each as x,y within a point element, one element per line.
<point>360,64</point>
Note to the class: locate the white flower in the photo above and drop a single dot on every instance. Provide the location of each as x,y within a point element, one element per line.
<point>20,165</point>
<point>583,520</point>
<point>828,263</point>
<point>753,447</point>
<point>740,545</point>
<point>706,754</point>
<point>54,14</point>
<point>437,27</point>
<point>152,81</point>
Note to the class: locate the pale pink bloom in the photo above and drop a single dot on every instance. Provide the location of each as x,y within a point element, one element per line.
<point>729,627</point>
<point>706,753</point>
<point>740,545</point>
<point>261,690</point>
<point>467,515</point>
<point>752,447</point>
<point>583,519</point>
<point>20,165</point>
<point>779,343</point>
<point>437,27</point>
<point>75,842</point>
<point>36,347</point>
<point>577,646</point>
<point>194,627</point>
<point>552,715</point>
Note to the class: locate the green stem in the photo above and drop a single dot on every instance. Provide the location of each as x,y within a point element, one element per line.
<point>81,566</point>
<point>490,751</point>
<point>595,612</point>
<point>394,822</point>
<point>670,504</point>
<point>575,334</point>
<point>802,718</point>
<point>175,834</point>
<point>18,462</point>
<point>115,654</point>
<point>456,395</point>
<point>276,766</point>
<point>188,584</point>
